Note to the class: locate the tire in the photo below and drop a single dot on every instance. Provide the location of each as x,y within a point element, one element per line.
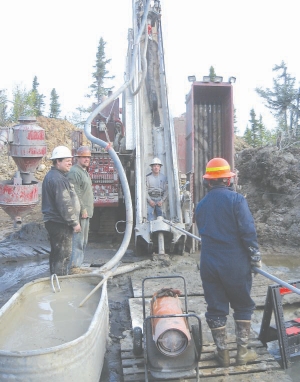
<point>137,341</point>
<point>197,336</point>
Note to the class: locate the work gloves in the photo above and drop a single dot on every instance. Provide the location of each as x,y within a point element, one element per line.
<point>255,258</point>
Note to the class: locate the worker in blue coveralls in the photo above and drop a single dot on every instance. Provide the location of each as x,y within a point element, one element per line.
<point>229,250</point>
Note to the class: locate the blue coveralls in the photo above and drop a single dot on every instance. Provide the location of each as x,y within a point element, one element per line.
<point>227,230</point>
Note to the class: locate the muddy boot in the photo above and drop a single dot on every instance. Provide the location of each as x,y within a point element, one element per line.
<point>222,354</point>
<point>242,331</point>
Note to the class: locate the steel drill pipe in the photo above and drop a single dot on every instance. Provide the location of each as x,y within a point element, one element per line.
<point>255,269</point>
<point>277,280</point>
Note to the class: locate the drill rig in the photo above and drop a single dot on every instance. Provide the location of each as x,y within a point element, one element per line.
<point>145,131</point>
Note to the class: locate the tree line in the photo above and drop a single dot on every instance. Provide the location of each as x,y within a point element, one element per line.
<point>26,103</point>
<point>32,102</point>
<point>282,100</point>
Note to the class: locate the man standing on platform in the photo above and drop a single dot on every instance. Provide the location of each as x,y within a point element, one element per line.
<point>157,190</point>
<point>82,182</point>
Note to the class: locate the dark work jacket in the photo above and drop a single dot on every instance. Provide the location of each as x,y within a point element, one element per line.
<point>59,200</point>
<point>227,229</point>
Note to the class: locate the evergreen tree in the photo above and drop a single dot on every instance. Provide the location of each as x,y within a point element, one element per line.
<point>282,99</point>
<point>21,104</point>
<point>257,135</point>
<point>3,108</point>
<point>98,89</point>
<point>248,136</point>
<point>235,128</point>
<point>54,105</point>
<point>36,98</point>
<point>212,73</point>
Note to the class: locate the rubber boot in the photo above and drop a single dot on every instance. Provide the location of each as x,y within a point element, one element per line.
<point>242,331</point>
<point>222,354</point>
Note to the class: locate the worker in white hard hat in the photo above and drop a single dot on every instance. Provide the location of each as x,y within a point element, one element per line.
<point>157,190</point>
<point>60,208</point>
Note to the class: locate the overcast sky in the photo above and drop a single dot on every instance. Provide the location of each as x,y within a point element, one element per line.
<point>57,41</point>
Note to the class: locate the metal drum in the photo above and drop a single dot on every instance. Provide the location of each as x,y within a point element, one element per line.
<point>17,200</point>
<point>28,146</point>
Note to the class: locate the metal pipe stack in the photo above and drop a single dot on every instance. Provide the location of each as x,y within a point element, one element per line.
<point>208,141</point>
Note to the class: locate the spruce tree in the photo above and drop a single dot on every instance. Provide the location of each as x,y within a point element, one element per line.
<point>21,105</point>
<point>3,108</point>
<point>282,99</point>
<point>37,99</point>
<point>54,105</point>
<point>98,89</point>
<point>212,73</point>
<point>235,127</point>
<point>257,135</point>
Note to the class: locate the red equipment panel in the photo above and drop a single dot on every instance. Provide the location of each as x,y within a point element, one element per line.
<point>105,180</point>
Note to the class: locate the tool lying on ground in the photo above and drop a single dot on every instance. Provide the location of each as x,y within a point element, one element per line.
<point>255,269</point>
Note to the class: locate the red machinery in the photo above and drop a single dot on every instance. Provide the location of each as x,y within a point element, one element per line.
<point>107,189</point>
<point>27,147</point>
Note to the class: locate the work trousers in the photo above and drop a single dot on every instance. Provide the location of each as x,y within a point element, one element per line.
<point>220,292</point>
<point>60,236</point>
<point>155,211</point>
<point>79,243</point>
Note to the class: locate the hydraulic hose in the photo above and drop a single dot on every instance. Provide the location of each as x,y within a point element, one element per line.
<point>87,130</point>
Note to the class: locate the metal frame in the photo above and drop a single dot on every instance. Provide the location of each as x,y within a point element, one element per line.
<point>147,321</point>
<point>274,303</point>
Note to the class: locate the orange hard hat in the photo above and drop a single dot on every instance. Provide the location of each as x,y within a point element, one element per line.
<point>218,168</point>
<point>83,151</point>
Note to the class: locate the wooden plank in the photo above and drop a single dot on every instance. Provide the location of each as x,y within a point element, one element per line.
<point>265,368</point>
<point>267,371</point>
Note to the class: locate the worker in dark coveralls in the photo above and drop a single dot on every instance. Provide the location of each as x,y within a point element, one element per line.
<point>157,190</point>
<point>82,182</point>
<point>60,208</point>
<point>229,249</point>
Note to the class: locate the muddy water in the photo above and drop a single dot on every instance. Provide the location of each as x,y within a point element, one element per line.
<point>45,319</point>
<point>288,265</point>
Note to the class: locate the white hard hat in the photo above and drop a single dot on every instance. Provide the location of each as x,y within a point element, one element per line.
<point>156,161</point>
<point>61,152</point>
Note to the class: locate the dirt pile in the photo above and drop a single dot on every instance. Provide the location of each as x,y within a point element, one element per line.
<point>270,180</point>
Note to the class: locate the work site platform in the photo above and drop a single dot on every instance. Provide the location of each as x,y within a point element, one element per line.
<point>264,368</point>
